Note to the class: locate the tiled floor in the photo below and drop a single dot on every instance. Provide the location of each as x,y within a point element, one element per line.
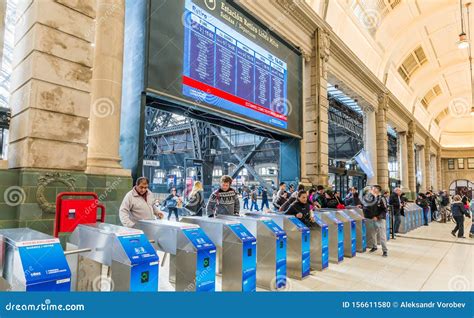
<point>428,258</point>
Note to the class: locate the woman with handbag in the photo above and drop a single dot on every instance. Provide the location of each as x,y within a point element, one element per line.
<point>171,203</point>
<point>196,199</point>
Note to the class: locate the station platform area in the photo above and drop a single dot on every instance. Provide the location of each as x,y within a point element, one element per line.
<point>426,259</point>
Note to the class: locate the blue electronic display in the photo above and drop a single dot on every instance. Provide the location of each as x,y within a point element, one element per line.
<point>224,68</point>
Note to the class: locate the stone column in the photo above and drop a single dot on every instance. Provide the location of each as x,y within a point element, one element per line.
<point>439,174</point>
<point>382,142</point>
<point>434,174</point>
<point>104,132</point>
<point>3,9</point>
<point>411,159</point>
<point>370,140</point>
<point>315,114</point>
<point>403,161</point>
<point>427,164</point>
<point>422,167</point>
<point>50,85</point>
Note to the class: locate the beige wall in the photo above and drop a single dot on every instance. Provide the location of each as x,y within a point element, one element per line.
<point>451,175</point>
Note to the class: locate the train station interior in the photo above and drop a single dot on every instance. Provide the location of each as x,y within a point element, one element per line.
<point>290,105</point>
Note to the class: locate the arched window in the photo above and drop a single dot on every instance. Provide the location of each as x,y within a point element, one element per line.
<point>462,186</point>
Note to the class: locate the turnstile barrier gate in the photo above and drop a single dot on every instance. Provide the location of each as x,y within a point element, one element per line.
<point>32,261</point>
<point>131,260</point>
<point>319,244</point>
<point>336,236</point>
<point>271,250</point>
<point>192,253</point>
<point>236,252</point>
<point>361,231</point>
<point>298,243</point>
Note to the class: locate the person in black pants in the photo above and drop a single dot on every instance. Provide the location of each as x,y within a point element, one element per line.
<point>396,202</point>
<point>458,210</point>
<point>171,202</point>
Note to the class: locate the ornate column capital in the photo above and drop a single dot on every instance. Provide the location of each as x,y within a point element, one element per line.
<point>367,108</point>
<point>324,43</point>
<point>411,129</point>
<point>383,101</point>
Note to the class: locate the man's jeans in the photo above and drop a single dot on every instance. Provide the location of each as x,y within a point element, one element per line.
<point>397,221</point>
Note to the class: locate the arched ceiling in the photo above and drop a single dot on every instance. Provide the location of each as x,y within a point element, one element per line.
<point>391,30</point>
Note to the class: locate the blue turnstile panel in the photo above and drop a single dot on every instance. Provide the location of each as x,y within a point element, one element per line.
<point>364,235</point>
<point>280,252</point>
<point>249,257</point>
<point>324,241</point>
<point>305,248</point>
<point>52,273</point>
<point>388,225</point>
<point>206,259</point>
<point>353,233</point>
<point>144,260</point>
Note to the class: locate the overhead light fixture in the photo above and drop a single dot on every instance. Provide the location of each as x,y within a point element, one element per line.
<point>463,42</point>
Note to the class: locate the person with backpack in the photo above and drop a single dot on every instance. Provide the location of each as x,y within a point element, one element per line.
<point>264,199</point>
<point>375,213</point>
<point>196,199</point>
<point>171,203</point>
<point>224,200</point>
<point>459,211</point>
<point>253,199</point>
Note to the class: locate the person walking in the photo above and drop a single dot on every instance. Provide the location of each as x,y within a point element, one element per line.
<point>245,198</point>
<point>253,199</point>
<point>395,201</point>
<point>459,211</point>
<point>264,199</point>
<point>375,212</point>
<point>195,202</point>
<point>171,203</point>
<point>224,200</point>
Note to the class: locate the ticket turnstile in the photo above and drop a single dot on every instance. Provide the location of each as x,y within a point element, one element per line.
<point>319,244</point>
<point>298,243</point>
<point>192,253</point>
<point>350,244</point>
<point>336,236</point>
<point>271,249</point>
<point>131,260</point>
<point>236,251</point>
<point>388,225</point>
<point>32,261</point>
<point>361,232</point>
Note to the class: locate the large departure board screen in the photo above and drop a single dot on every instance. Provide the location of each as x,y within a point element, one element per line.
<point>215,56</point>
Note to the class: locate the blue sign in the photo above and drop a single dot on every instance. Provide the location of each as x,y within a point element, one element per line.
<point>45,267</point>
<point>280,252</point>
<point>145,262</point>
<point>249,257</point>
<point>387,225</point>
<point>324,241</point>
<point>340,241</point>
<point>305,248</point>
<point>206,259</point>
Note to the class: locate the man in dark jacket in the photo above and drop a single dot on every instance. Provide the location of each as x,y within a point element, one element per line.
<point>375,212</point>
<point>292,198</point>
<point>423,203</point>
<point>321,197</point>
<point>443,205</point>
<point>458,210</point>
<point>301,208</point>
<point>431,197</point>
<point>396,202</point>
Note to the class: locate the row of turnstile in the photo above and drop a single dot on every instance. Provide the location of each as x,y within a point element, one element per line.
<point>412,218</point>
<point>257,249</point>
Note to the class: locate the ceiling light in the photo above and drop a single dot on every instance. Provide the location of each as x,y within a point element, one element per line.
<point>463,42</point>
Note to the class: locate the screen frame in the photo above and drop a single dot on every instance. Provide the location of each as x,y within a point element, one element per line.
<point>173,103</point>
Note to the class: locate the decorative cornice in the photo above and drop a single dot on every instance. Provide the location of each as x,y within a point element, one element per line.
<point>291,9</point>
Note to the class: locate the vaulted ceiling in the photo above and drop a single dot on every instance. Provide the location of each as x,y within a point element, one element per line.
<point>411,45</point>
